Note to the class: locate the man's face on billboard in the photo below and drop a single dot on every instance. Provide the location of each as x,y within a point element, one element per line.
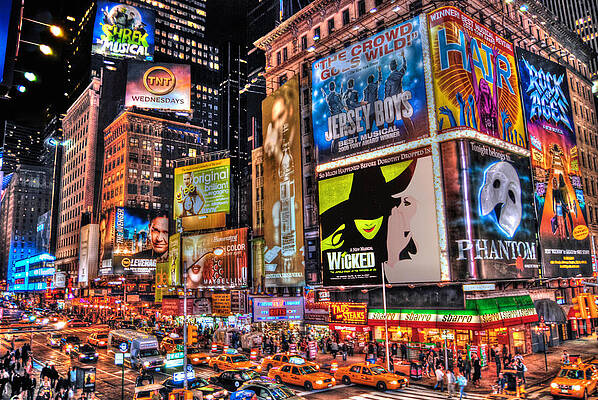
<point>159,234</point>
<point>280,114</point>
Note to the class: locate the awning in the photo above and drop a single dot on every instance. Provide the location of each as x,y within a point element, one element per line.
<point>550,311</point>
<point>479,314</point>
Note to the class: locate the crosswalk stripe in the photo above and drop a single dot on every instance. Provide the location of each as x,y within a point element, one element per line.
<point>412,393</point>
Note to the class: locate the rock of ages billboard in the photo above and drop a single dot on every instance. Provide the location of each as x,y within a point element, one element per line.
<point>371,94</point>
<point>283,193</point>
<point>123,31</point>
<point>489,208</point>
<point>475,77</point>
<point>379,215</point>
<point>560,202</point>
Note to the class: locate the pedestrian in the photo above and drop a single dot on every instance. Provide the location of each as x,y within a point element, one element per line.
<point>467,366</point>
<point>334,348</point>
<point>391,365</point>
<point>521,369</point>
<point>501,382</point>
<point>462,382</point>
<point>439,378</point>
<point>565,358</point>
<point>72,377</point>
<point>394,349</point>
<point>403,351</point>
<point>450,382</point>
<point>344,351</point>
<point>477,371</point>
<point>497,362</point>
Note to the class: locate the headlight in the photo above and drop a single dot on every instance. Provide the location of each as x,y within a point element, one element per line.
<point>576,387</point>
<point>554,385</point>
<point>196,359</point>
<point>97,354</point>
<point>81,355</point>
<point>333,380</point>
<point>319,382</point>
<point>101,343</point>
<point>146,364</point>
<point>209,396</point>
<point>394,382</point>
<point>317,367</point>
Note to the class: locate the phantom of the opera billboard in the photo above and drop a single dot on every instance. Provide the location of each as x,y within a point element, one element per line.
<point>379,215</point>
<point>162,86</point>
<point>123,31</point>
<point>371,94</point>
<point>490,217</point>
<point>217,259</point>
<point>202,194</point>
<point>558,189</point>
<point>283,189</point>
<point>133,241</point>
<point>484,98</point>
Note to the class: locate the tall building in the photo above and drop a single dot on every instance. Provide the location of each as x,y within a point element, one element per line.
<point>581,17</point>
<point>20,145</point>
<point>139,159</point>
<point>79,180</point>
<point>25,200</point>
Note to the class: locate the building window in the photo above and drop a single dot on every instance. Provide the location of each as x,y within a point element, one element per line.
<point>145,174</point>
<point>133,142</point>
<point>133,157</point>
<point>282,79</point>
<point>278,60</point>
<point>285,54</point>
<point>304,42</point>
<point>361,8</point>
<point>132,188</point>
<point>346,17</point>
<point>146,145</point>
<point>145,189</point>
<point>146,159</point>
<point>330,26</point>
<point>317,34</point>
<point>133,173</point>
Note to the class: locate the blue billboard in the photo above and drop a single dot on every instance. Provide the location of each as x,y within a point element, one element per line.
<point>123,31</point>
<point>371,94</point>
<point>5,13</point>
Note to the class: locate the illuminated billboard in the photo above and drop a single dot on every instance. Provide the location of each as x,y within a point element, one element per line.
<point>217,259</point>
<point>371,94</point>
<point>160,86</point>
<point>123,31</point>
<point>560,202</point>
<point>277,309</point>
<point>490,216</point>
<point>283,189</point>
<point>379,216</point>
<point>202,194</point>
<point>484,98</point>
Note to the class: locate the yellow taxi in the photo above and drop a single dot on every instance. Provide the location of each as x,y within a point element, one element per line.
<point>225,362</point>
<point>278,360</point>
<point>371,375</point>
<point>147,392</point>
<point>576,380</point>
<point>196,356</point>
<point>171,344</point>
<point>302,375</point>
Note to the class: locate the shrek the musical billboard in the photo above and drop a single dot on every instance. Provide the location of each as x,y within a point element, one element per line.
<point>379,215</point>
<point>560,202</point>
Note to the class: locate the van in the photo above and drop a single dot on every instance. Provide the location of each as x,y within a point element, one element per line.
<point>142,348</point>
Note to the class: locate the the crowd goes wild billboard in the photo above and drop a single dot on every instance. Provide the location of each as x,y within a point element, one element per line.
<point>283,189</point>
<point>377,217</point>
<point>475,77</point>
<point>123,31</point>
<point>371,94</point>
<point>558,190</point>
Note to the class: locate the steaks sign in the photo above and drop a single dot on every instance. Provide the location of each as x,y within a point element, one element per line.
<point>349,313</point>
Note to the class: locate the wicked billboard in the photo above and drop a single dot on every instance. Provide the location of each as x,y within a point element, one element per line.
<point>558,189</point>
<point>379,215</point>
<point>475,77</point>
<point>283,189</point>
<point>371,94</point>
<point>489,208</point>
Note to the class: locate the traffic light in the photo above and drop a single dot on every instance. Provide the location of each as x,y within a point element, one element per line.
<point>180,394</point>
<point>191,335</point>
<point>587,305</point>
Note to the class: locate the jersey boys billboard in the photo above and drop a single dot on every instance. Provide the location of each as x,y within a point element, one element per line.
<point>123,31</point>
<point>484,98</point>
<point>161,86</point>
<point>379,215</point>
<point>283,189</point>
<point>560,202</point>
<point>371,94</point>
<point>491,222</point>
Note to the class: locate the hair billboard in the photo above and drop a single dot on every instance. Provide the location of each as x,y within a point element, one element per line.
<point>560,202</point>
<point>475,77</point>
<point>371,94</point>
<point>490,216</point>
<point>123,31</point>
<point>379,216</point>
<point>161,86</point>
<point>216,259</point>
<point>283,188</point>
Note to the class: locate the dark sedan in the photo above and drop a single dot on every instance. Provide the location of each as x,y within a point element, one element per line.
<point>197,384</point>
<point>232,379</point>
<point>84,352</point>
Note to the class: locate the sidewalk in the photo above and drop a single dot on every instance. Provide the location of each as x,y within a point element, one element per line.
<point>586,347</point>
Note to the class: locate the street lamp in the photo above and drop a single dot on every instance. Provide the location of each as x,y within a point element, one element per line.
<point>54,29</point>
<point>541,330</point>
<point>45,49</point>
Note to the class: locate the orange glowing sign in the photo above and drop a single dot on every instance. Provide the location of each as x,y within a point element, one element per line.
<point>349,313</point>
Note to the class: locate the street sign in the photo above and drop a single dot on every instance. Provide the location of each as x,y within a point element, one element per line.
<point>175,356</point>
<point>119,358</point>
<point>123,347</point>
<point>448,336</point>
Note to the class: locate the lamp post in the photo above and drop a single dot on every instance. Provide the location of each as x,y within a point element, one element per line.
<point>385,322</point>
<point>542,329</point>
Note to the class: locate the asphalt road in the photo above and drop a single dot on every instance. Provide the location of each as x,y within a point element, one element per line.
<point>109,378</point>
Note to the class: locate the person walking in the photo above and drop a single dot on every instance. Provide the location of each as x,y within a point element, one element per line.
<point>497,362</point>
<point>462,382</point>
<point>467,367</point>
<point>477,371</point>
<point>521,368</point>
<point>334,348</point>
<point>439,379</point>
<point>501,382</point>
<point>403,351</point>
<point>450,383</point>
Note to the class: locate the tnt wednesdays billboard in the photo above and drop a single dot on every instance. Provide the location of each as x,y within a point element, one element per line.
<point>560,202</point>
<point>379,215</point>
<point>484,98</point>
<point>161,86</point>
<point>283,189</point>
<point>490,216</point>
<point>371,94</point>
<point>123,31</point>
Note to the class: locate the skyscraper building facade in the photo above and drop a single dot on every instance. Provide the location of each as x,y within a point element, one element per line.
<point>20,145</point>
